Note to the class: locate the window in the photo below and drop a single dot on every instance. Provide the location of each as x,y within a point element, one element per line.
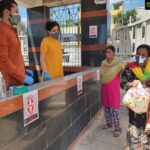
<point>143,31</point>
<point>116,7</point>
<point>134,32</point>
<point>133,48</point>
<point>114,20</point>
<point>118,50</point>
<point>125,35</point>
<point>68,17</point>
<point>117,35</point>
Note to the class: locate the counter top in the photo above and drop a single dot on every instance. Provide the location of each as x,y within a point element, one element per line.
<point>45,89</point>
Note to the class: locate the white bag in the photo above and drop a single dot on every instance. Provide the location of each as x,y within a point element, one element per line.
<point>137,99</point>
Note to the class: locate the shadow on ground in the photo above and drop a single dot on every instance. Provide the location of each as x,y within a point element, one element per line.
<point>96,138</point>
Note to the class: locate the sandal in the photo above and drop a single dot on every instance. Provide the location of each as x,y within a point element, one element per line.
<point>117,133</point>
<point>106,126</point>
<point>126,147</point>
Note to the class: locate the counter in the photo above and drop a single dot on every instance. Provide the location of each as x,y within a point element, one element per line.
<point>63,114</point>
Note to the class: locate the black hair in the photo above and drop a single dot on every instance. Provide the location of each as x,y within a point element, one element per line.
<point>6,4</point>
<point>50,24</point>
<point>145,46</point>
<point>111,47</point>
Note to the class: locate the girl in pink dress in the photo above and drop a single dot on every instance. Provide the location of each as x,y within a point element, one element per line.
<point>110,91</point>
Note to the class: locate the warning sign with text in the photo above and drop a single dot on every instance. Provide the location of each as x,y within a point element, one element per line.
<point>30,107</point>
<point>79,85</point>
<point>93,31</point>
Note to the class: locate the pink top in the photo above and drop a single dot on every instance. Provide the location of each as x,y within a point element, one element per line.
<point>111,93</point>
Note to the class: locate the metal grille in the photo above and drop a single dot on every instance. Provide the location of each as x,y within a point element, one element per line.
<point>68,18</point>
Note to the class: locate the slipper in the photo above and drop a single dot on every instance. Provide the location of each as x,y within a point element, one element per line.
<point>117,133</point>
<point>106,126</point>
<point>126,147</point>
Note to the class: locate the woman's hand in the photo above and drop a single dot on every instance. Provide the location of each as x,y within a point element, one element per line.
<point>147,129</point>
<point>134,83</point>
<point>46,76</point>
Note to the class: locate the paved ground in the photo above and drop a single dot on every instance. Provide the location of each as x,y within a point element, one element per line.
<point>96,138</point>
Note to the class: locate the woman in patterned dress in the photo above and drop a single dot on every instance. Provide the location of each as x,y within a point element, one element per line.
<point>138,137</point>
<point>110,78</point>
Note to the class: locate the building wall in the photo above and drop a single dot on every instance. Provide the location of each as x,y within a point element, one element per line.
<point>131,35</point>
<point>114,13</point>
<point>148,32</point>
<point>127,44</point>
<point>141,12</point>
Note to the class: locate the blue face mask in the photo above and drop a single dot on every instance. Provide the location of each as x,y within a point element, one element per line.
<point>55,35</point>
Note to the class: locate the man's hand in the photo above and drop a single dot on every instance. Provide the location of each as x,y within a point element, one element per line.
<point>29,73</point>
<point>28,80</point>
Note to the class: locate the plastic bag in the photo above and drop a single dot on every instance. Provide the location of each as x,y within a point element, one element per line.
<point>137,99</point>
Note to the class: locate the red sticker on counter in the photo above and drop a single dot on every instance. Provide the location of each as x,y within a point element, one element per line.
<point>30,107</point>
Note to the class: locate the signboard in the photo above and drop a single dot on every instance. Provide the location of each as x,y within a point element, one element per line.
<point>79,85</point>
<point>30,107</point>
<point>97,75</point>
<point>99,2</point>
<point>93,31</point>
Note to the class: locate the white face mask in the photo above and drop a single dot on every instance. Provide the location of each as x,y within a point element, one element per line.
<point>15,19</point>
<point>139,59</point>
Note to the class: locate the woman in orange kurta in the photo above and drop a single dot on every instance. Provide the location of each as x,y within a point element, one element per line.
<point>51,53</point>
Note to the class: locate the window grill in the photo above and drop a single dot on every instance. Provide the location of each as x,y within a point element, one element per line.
<point>69,20</point>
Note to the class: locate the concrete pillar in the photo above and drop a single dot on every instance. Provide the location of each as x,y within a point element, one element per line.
<point>93,48</point>
<point>36,32</point>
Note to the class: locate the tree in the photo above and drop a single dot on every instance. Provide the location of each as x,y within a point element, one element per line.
<point>118,19</point>
<point>133,15</point>
<point>124,19</point>
<point>69,23</point>
<point>21,26</point>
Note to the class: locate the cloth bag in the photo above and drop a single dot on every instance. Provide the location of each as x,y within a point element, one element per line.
<point>137,99</point>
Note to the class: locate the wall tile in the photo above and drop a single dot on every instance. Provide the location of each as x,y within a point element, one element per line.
<point>35,140</point>
<point>49,108</point>
<point>84,119</point>
<point>70,134</point>
<point>94,108</point>
<point>11,128</point>
<point>78,108</point>
<point>58,124</point>
<point>56,145</point>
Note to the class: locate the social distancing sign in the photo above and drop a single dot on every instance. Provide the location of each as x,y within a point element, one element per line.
<point>30,107</point>
<point>79,85</point>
